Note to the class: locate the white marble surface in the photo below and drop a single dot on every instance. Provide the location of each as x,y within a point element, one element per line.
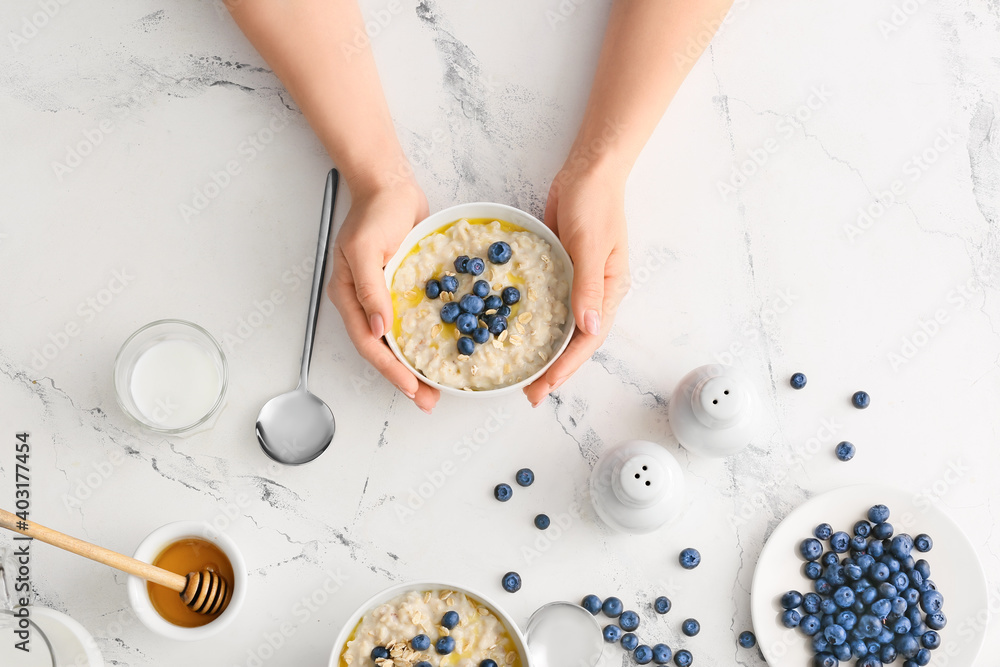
<point>486,97</point>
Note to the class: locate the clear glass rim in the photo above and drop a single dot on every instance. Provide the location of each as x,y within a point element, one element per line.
<point>222,391</point>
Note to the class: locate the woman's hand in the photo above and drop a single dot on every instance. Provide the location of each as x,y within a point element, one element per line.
<point>586,209</point>
<point>379,219</point>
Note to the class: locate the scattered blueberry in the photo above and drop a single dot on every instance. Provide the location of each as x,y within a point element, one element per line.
<point>481,288</point>
<point>661,604</point>
<point>683,658</point>
<point>422,663</point>
<point>499,253</point>
<point>525,477</point>
<point>492,302</point>
<point>592,603</point>
<point>450,619</point>
<point>445,645</point>
<point>823,531</point>
<point>629,641</point>
<point>661,654</point>
<point>449,283</point>
<point>503,492</point>
<point>689,558</point>
<point>846,450</point>
<point>612,633</point>
<point>612,607</point>
<point>432,289</point>
<point>643,654</point>
<point>930,639</point>
<point>747,639</point>
<point>923,543</point>
<point>480,335</point>
<point>840,542</point>
<point>690,627</point>
<point>791,618</point>
<point>466,345</point>
<point>791,600</point>
<point>379,653</point>
<point>503,311</point>
<point>512,582</point>
<point>862,529</point>
<point>462,264</point>
<point>450,312</point>
<point>466,323</point>
<point>878,514</point>
<point>629,621</point>
<point>861,400</point>
<point>497,324</point>
<point>542,522</point>
<point>882,531</point>
<point>798,380</point>
<point>488,663</point>
<point>420,643</point>
<point>811,549</point>
<point>476,266</point>
<point>510,295</point>
<point>470,303</point>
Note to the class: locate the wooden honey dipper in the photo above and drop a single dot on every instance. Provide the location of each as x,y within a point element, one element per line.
<point>204,592</point>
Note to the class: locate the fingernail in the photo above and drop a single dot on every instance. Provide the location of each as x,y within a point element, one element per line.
<point>377,324</point>
<point>425,410</point>
<point>593,322</point>
<point>558,383</point>
<point>409,394</point>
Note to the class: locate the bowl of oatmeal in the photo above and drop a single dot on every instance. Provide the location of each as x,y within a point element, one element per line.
<point>481,299</point>
<point>458,627</point>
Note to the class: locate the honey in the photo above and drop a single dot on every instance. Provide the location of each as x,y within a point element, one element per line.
<point>188,555</point>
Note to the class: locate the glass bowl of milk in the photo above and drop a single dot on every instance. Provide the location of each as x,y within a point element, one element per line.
<point>171,376</point>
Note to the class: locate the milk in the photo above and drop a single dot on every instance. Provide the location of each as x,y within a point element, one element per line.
<point>175,383</point>
<point>562,635</point>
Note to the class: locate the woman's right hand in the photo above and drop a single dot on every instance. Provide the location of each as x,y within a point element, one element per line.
<point>379,219</point>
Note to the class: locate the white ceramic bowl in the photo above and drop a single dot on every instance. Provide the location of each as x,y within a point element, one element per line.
<point>152,546</point>
<point>496,212</point>
<point>394,591</point>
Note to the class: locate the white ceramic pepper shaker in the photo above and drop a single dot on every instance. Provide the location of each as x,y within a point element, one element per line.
<point>715,411</point>
<point>637,487</point>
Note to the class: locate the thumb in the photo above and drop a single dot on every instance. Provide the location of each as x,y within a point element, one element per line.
<point>373,295</point>
<point>588,292</point>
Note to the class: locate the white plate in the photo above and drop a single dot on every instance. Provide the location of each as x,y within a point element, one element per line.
<point>955,568</point>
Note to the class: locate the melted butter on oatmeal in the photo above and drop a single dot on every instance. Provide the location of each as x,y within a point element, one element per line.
<point>480,634</point>
<point>536,322</point>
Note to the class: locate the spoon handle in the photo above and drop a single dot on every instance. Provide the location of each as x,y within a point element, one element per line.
<point>171,580</point>
<point>319,271</point>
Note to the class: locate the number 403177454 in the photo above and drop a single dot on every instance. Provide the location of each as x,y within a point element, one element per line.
<point>22,475</point>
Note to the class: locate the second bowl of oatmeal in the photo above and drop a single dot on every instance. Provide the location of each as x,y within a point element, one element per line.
<point>481,299</point>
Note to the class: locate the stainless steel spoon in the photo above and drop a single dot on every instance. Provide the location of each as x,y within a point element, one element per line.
<point>296,427</point>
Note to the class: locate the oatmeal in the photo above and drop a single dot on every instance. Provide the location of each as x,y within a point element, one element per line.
<point>480,304</point>
<point>419,618</point>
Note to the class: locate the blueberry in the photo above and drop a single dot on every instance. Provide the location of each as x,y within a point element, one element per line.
<point>542,521</point>
<point>499,253</point>
<point>612,607</point>
<point>450,312</point>
<point>462,264</point>
<point>470,303</point>
<point>858,544</point>
<point>511,582</point>
<point>813,570</point>
<point>502,492</point>
<point>931,602</point>
<point>923,543</point>
<point>847,620</point>
<point>466,323</point>
<point>887,654</point>
<point>747,639</point>
<point>859,648</point>
<point>810,603</point>
<point>902,545</point>
<point>432,289</point>
<point>861,400</point>
<point>492,302</point>
<point>510,295</point>
<point>823,531</point>
<point>841,652</point>
<point>420,643</point>
<point>791,618</point>
<point>835,634</point>
<point>661,654</point>
<point>379,653</point>
<point>612,633</point>
<point>923,568</point>
<point>828,607</point>
<point>840,541</point>
<point>690,627</point>
<point>875,547</point>
<point>868,596</point>
<point>450,619</point>
<point>525,477</point>
<point>811,549</point>
<point>481,288</point>
<point>798,380</point>
<point>643,654</point>
<point>887,591</point>
<point>497,324</point>
<point>900,580</point>
<point>791,600</point>
<point>809,625</point>
<point>480,335</point>
<point>911,596</point>
<point>503,311</point>
<point>488,663</point>
<point>449,284</point>
<point>846,451</point>
<point>825,659</point>
<point>937,621</point>
<point>444,645</point>
<point>878,514</point>
<point>661,604</point>
<point>923,657</point>
<point>907,646</point>
<point>476,266</point>
<point>629,641</point>
<point>843,597</point>
<point>901,626</point>
<point>466,345</point>
<point>881,608</point>
<point>930,639</point>
<point>689,558</point>
<point>869,626</point>
<point>683,658</point>
<point>822,586</point>
<point>882,531</point>
<point>423,663</point>
<point>592,603</point>
<point>629,621</point>
<point>870,661</point>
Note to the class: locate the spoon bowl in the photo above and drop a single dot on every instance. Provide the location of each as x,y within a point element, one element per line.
<point>295,427</point>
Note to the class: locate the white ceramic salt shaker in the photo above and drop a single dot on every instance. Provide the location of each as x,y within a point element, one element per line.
<point>637,487</point>
<point>715,411</point>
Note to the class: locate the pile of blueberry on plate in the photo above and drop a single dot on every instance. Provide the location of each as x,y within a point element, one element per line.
<point>871,600</point>
<point>480,313</point>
